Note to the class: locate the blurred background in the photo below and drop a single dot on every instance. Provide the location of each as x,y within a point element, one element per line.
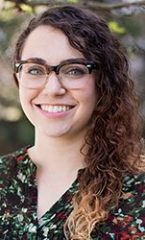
<point>125,18</point>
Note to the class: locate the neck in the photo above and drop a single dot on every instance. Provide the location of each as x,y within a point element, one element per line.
<point>55,154</point>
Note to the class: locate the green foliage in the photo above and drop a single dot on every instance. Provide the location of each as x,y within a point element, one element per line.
<point>26,8</point>
<point>116,28</point>
<point>8,24</point>
<point>72,1</point>
<point>14,135</point>
<point>133,25</point>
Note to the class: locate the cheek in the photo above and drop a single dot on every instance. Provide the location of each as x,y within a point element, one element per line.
<point>26,96</point>
<point>87,94</point>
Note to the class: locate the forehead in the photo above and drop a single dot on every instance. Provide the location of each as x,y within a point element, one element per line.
<point>50,44</point>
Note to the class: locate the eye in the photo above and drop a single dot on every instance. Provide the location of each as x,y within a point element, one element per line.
<point>34,70</point>
<point>74,71</point>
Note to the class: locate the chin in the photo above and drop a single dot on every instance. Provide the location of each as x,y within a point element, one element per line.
<point>56,132</point>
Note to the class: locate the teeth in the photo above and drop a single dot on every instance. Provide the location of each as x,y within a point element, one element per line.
<point>51,108</point>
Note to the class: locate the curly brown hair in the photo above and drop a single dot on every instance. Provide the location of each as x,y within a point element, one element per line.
<point>113,139</point>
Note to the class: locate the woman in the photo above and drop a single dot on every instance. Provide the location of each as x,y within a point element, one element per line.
<point>82,178</point>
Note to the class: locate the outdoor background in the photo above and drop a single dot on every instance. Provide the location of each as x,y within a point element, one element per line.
<point>125,18</point>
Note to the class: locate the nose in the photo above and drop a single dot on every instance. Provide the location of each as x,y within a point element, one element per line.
<point>53,85</point>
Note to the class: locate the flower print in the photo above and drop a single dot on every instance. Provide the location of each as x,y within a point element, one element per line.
<point>18,206</point>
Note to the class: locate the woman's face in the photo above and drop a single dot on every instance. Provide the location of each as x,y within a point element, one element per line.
<point>55,110</point>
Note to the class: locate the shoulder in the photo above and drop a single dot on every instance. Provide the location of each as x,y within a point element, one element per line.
<point>9,164</point>
<point>133,194</point>
<point>134,183</point>
<point>132,203</point>
<point>10,160</point>
<point>127,221</point>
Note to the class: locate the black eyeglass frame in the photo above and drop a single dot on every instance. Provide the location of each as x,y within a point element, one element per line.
<point>89,64</point>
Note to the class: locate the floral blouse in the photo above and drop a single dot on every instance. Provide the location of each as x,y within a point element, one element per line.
<point>18,206</point>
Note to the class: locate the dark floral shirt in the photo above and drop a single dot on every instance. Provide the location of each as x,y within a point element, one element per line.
<point>18,206</point>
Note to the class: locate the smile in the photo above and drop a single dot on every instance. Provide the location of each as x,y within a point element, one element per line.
<point>55,108</point>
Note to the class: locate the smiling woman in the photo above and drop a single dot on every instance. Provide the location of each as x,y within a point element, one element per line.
<point>82,178</point>
<point>67,86</point>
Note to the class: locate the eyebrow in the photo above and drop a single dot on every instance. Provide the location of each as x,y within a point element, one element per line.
<point>35,60</point>
<point>42,61</point>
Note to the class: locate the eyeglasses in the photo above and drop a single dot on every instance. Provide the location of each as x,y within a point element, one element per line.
<point>33,73</point>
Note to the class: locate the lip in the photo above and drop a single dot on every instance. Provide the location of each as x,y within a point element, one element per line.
<point>55,115</point>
